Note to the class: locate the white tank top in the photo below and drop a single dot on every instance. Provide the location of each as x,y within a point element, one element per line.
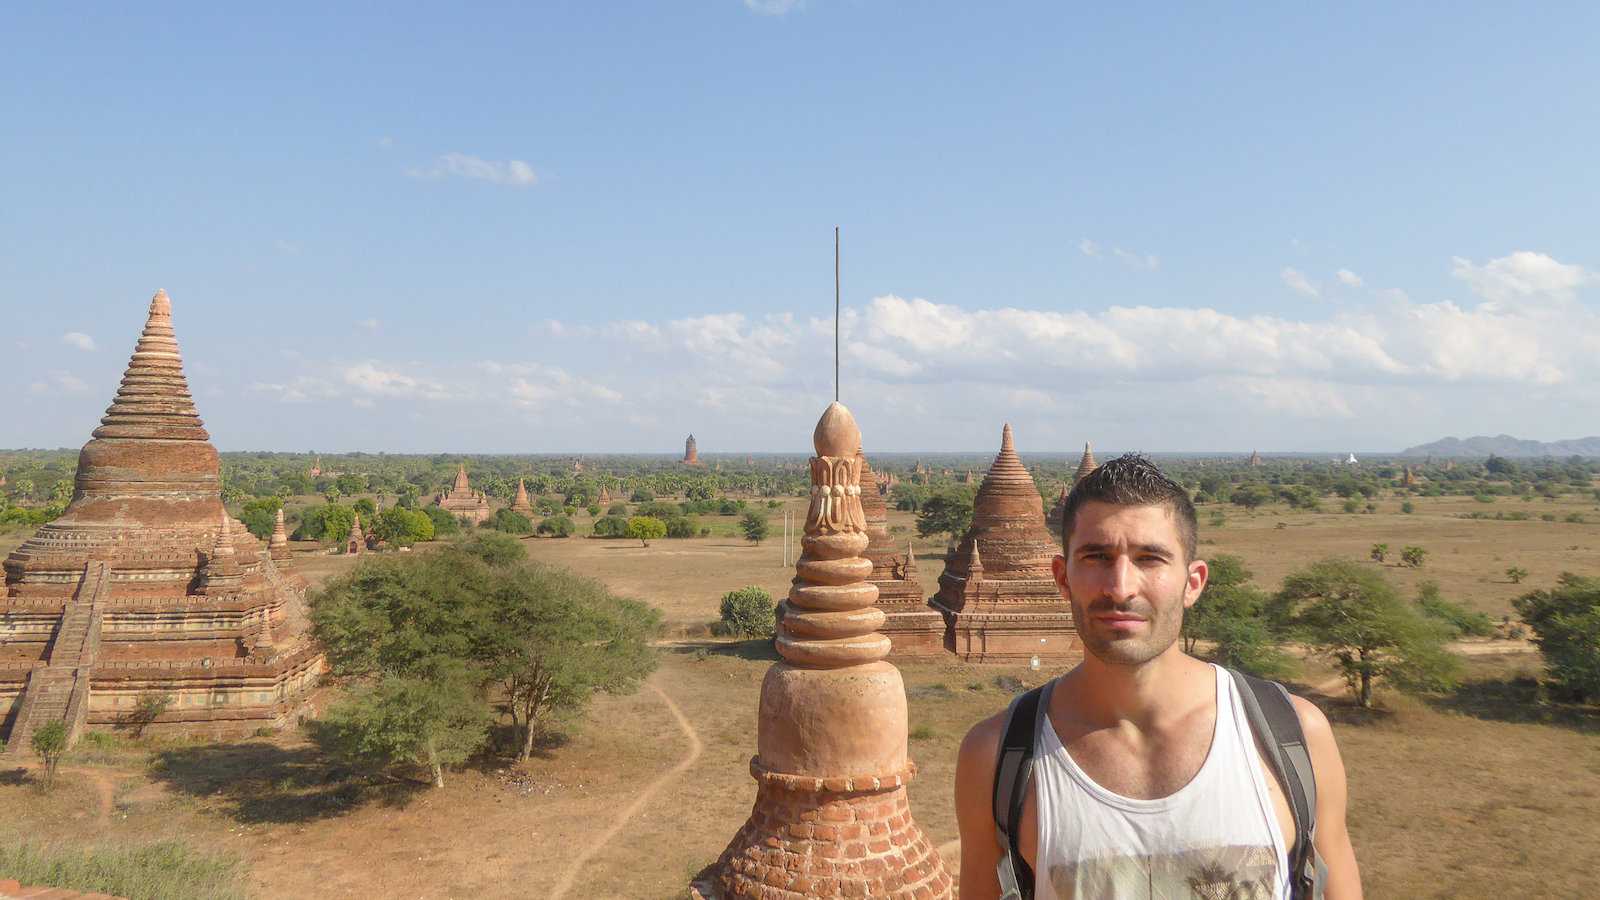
<point>1217,836</point>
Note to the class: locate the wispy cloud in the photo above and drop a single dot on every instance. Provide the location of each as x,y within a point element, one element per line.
<point>1350,279</point>
<point>1298,282</point>
<point>1094,250</point>
<point>78,339</point>
<point>774,7</point>
<point>511,172</point>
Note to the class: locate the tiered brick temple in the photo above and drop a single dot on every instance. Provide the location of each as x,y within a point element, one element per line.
<point>997,596</point>
<point>691,452</point>
<point>463,502</point>
<point>1255,457</point>
<point>831,815</point>
<point>913,627</point>
<point>144,587</point>
<point>521,504</point>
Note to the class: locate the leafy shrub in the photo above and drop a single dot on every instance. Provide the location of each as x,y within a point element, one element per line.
<point>557,526</point>
<point>1407,507</point>
<point>680,527</point>
<point>617,509</point>
<point>510,522</point>
<point>610,527</point>
<point>444,524</point>
<point>1413,556</point>
<point>494,547</point>
<point>1566,626</point>
<point>749,612</point>
<point>1463,622</point>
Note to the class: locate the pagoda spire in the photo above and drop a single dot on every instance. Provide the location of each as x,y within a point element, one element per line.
<point>1085,466</point>
<point>153,401</point>
<point>278,544</point>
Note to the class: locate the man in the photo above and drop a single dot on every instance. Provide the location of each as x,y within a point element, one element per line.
<point>1147,781</point>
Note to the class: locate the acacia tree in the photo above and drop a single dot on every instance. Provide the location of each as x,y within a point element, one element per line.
<point>1356,617</point>
<point>1235,617</point>
<point>646,529</point>
<point>402,629</point>
<point>552,639</point>
<point>949,512</point>
<point>755,527</point>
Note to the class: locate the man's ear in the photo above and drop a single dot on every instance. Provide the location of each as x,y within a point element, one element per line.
<point>1058,570</point>
<point>1199,572</point>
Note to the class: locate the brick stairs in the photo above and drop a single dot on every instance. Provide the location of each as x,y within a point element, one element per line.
<point>59,690</point>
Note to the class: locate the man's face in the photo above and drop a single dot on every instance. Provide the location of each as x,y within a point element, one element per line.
<point>1128,581</point>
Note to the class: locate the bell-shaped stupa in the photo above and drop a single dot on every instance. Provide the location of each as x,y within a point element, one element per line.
<point>998,598</point>
<point>145,585</point>
<point>521,504</point>
<point>831,816</point>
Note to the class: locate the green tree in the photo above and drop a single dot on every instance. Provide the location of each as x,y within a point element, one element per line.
<point>610,527</point>
<point>444,524</point>
<point>1380,552</point>
<point>1251,496</point>
<point>401,527</point>
<point>435,721</point>
<point>349,485</point>
<point>1233,615</point>
<point>749,612</point>
<point>493,547</point>
<point>755,527</point>
<point>557,526</point>
<point>50,742</point>
<point>260,515</point>
<point>948,512</point>
<point>646,529</point>
<point>1353,615</point>
<point>680,527</point>
<point>552,639</point>
<point>1516,574</point>
<point>511,522</point>
<point>1413,556</point>
<point>1566,626</point>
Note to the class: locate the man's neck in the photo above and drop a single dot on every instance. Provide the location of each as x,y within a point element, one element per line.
<point>1145,695</point>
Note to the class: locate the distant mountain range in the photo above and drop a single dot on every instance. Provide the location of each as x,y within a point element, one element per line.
<point>1505,445</point>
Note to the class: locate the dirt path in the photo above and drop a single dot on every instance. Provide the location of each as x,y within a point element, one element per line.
<point>626,816</point>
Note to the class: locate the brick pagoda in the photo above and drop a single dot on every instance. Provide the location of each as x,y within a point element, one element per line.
<point>691,452</point>
<point>831,816</point>
<point>997,596</point>
<point>463,502</point>
<point>914,628</point>
<point>521,504</point>
<point>146,587</point>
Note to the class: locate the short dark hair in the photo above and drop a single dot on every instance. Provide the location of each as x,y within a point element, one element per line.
<point>1132,480</point>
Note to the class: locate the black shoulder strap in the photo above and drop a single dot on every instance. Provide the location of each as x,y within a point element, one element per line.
<point>1012,773</point>
<point>1273,719</point>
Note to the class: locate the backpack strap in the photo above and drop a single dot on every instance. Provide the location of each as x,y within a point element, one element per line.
<point>1274,721</point>
<point>1013,773</point>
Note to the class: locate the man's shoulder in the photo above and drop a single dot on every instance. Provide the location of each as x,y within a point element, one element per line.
<point>982,743</point>
<point>1313,722</point>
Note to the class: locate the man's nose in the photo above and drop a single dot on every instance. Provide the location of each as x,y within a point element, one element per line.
<point>1121,579</point>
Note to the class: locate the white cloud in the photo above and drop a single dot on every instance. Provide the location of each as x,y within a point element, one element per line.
<point>511,172</point>
<point>774,7</point>
<point>386,142</point>
<point>370,324</point>
<point>59,383</point>
<point>1350,279</point>
<point>1297,281</point>
<point>78,339</point>
<point>1088,247</point>
<point>1520,276</point>
<point>370,378</point>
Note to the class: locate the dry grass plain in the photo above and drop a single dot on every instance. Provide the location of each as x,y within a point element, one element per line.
<point>1481,794</point>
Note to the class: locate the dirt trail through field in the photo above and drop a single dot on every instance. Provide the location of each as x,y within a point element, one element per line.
<point>622,820</point>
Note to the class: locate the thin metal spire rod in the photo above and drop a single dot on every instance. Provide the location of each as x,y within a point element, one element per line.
<point>836,313</point>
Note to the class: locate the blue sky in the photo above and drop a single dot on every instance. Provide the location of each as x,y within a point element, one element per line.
<point>599,227</point>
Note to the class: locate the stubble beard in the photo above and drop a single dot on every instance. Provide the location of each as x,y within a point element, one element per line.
<point>1164,624</point>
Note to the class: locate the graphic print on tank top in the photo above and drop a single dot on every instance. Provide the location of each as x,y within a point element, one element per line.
<point>1216,838</point>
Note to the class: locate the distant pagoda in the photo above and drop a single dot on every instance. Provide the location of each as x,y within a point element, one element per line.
<point>1085,465</point>
<point>522,504</point>
<point>146,586</point>
<point>463,502</point>
<point>997,595</point>
<point>913,627</point>
<point>1255,458</point>
<point>691,452</point>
